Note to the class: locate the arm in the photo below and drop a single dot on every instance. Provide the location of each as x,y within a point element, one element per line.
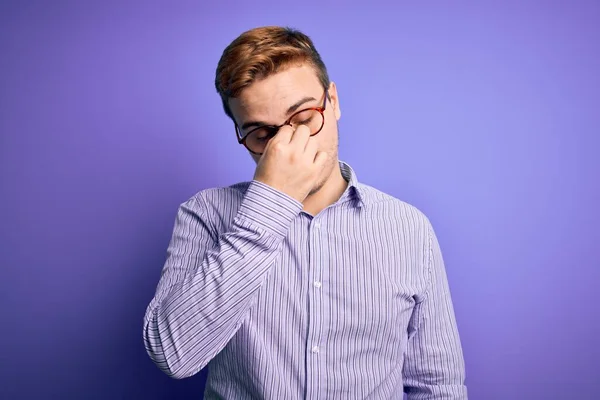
<point>209,280</point>
<point>434,365</point>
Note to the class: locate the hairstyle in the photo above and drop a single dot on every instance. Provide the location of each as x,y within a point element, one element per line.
<point>261,52</point>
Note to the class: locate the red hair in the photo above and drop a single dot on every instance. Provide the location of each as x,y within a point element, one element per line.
<point>261,52</point>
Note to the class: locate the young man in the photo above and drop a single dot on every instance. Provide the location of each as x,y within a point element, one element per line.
<point>303,282</point>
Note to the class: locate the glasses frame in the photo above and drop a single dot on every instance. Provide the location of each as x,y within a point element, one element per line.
<point>275,128</point>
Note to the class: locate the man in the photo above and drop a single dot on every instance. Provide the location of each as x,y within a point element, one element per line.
<point>302,283</point>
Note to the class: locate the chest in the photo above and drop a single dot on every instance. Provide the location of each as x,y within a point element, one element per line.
<point>344,279</point>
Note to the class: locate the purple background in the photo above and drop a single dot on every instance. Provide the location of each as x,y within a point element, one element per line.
<point>485,117</point>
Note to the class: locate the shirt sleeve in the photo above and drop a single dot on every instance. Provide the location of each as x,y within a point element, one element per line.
<point>434,365</point>
<point>209,280</point>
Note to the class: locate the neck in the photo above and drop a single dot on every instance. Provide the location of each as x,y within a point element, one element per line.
<point>329,193</point>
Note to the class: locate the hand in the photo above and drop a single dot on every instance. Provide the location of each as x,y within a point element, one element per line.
<point>291,162</point>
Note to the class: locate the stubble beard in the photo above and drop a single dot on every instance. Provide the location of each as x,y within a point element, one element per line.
<point>330,164</point>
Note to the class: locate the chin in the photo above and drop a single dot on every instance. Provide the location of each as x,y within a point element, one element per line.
<point>318,186</point>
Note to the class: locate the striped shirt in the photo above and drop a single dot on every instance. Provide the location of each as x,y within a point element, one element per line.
<point>352,303</point>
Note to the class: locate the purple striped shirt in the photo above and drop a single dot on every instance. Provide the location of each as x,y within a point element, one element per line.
<point>352,303</point>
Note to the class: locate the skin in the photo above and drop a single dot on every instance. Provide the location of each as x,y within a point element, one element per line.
<point>268,100</point>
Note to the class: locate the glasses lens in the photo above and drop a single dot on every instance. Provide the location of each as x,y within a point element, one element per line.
<point>258,139</point>
<point>311,118</point>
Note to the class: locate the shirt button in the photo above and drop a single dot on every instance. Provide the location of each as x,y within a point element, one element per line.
<point>317,284</point>
<point>315,349</point>
<point>317,225</point>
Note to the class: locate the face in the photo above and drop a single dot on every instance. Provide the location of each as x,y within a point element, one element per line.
<point>270,99</point>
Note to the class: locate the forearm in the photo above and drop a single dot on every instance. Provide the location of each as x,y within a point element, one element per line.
<point>434,366</point>
<point>193,317</point>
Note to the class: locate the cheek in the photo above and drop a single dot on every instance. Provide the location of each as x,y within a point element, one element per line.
<point>330,135</point>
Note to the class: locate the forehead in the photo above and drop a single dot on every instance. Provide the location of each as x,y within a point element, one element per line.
<point>269,98</point>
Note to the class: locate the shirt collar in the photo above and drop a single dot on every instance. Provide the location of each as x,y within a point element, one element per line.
<point>354,190</point>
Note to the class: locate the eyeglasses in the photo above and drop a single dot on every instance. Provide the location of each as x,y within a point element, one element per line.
<point>256,139</point>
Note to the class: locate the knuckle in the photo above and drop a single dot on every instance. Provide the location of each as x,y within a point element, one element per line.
<point>285,128</point>
<point>277,147</point>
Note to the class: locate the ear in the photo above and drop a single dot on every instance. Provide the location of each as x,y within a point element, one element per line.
<point>335,101</point>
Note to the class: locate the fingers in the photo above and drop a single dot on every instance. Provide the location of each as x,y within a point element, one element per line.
<point>311,148</point>
<point>292,162</point>
<point>284,135</point>
<point>300,140</point>
<point>300,137</point>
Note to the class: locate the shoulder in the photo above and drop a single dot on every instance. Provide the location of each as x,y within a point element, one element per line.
<point>216,202</point>
<point>378,204</point>
<point>377,199</point>
<point>216,196</point>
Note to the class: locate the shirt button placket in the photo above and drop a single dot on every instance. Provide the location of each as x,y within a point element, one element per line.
<point>315,372</point>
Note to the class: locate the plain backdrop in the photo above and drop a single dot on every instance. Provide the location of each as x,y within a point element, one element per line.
<point>484,115</point>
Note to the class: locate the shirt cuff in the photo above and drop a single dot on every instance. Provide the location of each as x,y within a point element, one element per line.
<point>269,208</point>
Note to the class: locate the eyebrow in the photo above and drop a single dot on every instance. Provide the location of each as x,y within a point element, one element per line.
<point>290,110</point>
